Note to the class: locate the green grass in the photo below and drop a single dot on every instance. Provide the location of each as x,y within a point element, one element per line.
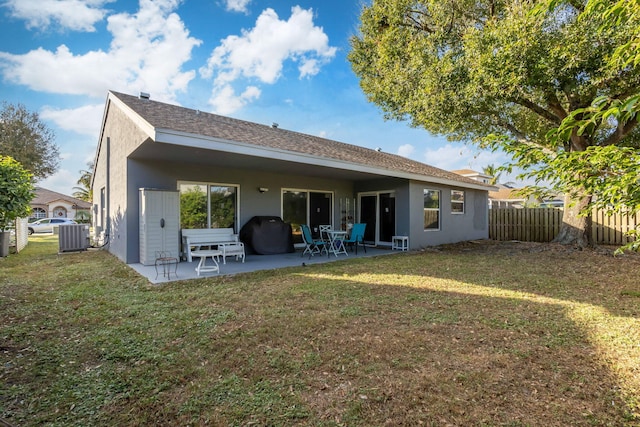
<point>479,335</point>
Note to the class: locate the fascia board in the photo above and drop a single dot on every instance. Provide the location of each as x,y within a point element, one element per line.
<point>141,123</point>
<point>169,136</point>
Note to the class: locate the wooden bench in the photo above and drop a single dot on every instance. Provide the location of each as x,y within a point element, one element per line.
<point>195,238</point>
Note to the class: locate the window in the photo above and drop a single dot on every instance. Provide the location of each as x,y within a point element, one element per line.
<point>431,209</point>
<point>204,205</point>
<point>457,202</point>
<point>39,213</point>
<point>59,212</point>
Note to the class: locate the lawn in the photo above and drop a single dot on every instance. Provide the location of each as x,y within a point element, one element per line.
<point>480,334</point>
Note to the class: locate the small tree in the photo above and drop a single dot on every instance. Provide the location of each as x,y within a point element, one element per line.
<point>16,191</point>
<point>83,190</point>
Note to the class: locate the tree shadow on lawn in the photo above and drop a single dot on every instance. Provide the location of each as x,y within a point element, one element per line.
<point>412,348</point>
<point>562,273</point>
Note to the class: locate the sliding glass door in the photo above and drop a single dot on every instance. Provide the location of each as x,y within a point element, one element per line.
<point>306,207</point>
<point>378,211</point>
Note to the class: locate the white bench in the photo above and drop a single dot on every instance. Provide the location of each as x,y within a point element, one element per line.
<point>195,238</point>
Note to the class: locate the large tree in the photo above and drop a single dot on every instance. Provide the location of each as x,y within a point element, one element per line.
<point>504,75</point>
<point>28,140</point>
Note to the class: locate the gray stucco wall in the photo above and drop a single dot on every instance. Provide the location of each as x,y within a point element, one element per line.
<point>119,138</point>
<point>472,224</point>
<point>167,175</point>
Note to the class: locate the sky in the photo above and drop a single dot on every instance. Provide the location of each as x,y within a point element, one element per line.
<point>265,61</point>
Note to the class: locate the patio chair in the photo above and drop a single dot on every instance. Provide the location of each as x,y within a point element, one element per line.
<point>356,237</point>
<point>323,232</point>
<point>313,246</point>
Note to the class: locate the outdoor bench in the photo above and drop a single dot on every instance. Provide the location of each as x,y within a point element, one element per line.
<point>195,238</point>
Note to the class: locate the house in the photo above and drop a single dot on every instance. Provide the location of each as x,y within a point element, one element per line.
<point>227,171</point>
<point>475,175</point>
<point>50,204</point>
<point>505,196</point>
<point>502,196</point>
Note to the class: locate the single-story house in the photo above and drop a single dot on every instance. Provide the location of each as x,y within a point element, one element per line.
<point>226,171</point>
<point>506,196</point>
<point>50,204</point>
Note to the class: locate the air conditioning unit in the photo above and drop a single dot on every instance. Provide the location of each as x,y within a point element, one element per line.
<point>73,237</point>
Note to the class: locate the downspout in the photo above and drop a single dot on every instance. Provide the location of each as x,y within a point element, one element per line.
<point>108,191</point>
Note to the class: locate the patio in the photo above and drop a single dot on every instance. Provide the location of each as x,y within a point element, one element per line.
<point>187,270</point>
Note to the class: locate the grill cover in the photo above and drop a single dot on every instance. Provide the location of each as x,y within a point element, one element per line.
<point>267,235</point>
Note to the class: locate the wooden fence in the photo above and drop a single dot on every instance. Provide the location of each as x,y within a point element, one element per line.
<point>543,224</point>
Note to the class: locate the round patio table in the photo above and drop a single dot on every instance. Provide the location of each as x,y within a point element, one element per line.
<point>202,266</point>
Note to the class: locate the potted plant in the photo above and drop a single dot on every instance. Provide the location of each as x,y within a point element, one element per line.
<point>16,193</point>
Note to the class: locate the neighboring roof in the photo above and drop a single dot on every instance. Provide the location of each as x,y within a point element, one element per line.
<point>165,119</point>
<point>505,193</point>
<point>470,172</point>
<point>47,197</point>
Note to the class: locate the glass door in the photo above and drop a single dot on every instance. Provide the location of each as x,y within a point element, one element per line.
<point>368,216</point>
<point>306,207</point>
<point>378,211</point>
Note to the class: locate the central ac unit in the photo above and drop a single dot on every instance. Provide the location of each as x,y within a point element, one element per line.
<point>73,237</point>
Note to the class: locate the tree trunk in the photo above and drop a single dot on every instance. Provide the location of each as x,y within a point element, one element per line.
<point>576,228</point>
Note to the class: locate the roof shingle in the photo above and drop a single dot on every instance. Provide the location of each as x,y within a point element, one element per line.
<point>172,117</point>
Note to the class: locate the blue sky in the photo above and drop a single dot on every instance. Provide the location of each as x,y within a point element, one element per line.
<point>264,61</point>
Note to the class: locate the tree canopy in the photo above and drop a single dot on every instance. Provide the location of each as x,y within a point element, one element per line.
<point>504,75</point>
<point>28,140</point>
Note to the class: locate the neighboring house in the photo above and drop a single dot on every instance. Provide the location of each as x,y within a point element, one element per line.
<point>49,204</point>
<point>474,175</point>
<point>240,169</point>
<point>504,196</point>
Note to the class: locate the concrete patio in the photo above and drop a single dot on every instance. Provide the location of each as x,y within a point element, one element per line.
<point>187,270</point>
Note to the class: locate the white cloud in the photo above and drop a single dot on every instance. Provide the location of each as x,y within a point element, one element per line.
<point>62,181</point>
<point>225,101</point>
<point>85,120</point>
<point>237,5</point>
<point>406,150</point>
<point>447,157</point>
<point>260,53</point>
<point>75,15</point>
<point>147,52</point>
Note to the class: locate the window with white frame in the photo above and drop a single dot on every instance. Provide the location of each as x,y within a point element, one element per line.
<point>39,213</point>
<point>431,209</point>
<point>457,202</point>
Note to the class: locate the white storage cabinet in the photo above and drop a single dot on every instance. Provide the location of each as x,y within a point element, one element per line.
<point>159,224</point>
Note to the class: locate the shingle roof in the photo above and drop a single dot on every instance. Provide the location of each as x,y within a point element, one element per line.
<point>44,197</point>
<point>176,118</point>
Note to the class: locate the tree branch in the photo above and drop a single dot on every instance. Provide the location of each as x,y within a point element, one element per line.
<point>622,130</point>
<point>553,118</point>
<point>523,140</point>
<point>415,23</point>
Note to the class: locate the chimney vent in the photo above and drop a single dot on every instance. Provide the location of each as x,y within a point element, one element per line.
<point>144,95</point>
<point>275,125</point>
